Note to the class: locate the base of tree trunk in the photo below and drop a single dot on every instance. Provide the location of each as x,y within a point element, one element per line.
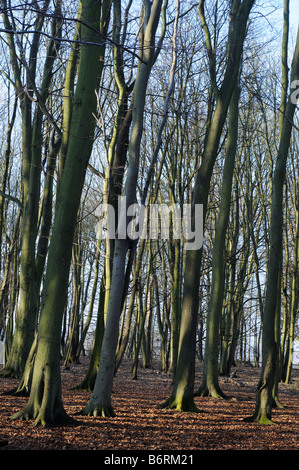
<point>277,403</point>
<point>44,417</point>
<point>263,408</point>
<point>183,404</point>
<point>213,391</point>
<point>24,387</point>
<point>10,372</point>
<point>45,404</point>
<point>259,418</point>
<point>87,384</point>
<point>104,411</point>
<point>17,392</point>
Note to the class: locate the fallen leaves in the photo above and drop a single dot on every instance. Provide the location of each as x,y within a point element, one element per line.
<point>140,425</point>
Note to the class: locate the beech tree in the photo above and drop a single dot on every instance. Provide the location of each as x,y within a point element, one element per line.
<point>182,397</point>
<point>210,385</point>
<point>31,171</point>
<point>163,103</point>
<point>100,401</point>
<point>45,403</point>
<point>265,389</point>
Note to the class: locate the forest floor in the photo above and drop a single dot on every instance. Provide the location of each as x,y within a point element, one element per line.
<point>141,425</point>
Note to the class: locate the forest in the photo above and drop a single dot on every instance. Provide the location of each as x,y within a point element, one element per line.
<point>149,206</point>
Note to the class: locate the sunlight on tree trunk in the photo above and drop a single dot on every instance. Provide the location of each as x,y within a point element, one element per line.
<point>100,401</point>
<point>184,378</point>
<point>45,403</point>
<point>264,400</point>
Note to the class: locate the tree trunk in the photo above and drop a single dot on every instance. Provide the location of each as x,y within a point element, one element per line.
<point>26,318</point>
<point>264,399</point>
<point>31,174</point>
<point>100,401</point>
<point>294,295</point>
<point>122,343</point>
<point>183,390</point>
<point>45,404</point>
<point>210,384</point>
<point>91,374</point>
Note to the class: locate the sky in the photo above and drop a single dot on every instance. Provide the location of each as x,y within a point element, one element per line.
<point>294,11</point>
<point>294,14</point>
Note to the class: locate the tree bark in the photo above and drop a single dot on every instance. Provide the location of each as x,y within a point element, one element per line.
<point>264,398</point>
<point>210,384</point>
<point>31,169</point>
<point>45,403</point>
<point>100,401</point>
<point>182,396</point>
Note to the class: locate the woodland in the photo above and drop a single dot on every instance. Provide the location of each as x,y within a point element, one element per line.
<point>131,341</point>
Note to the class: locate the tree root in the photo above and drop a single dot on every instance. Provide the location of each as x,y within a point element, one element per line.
<point>103,411</point>
<point>277,403</point>
<point>212,392</point>
<point>86,385</point>
<point>187,406</point>
<point>18,391</point>
<point>260,419</point>
<point>9,372</point>
<point>44,418</point>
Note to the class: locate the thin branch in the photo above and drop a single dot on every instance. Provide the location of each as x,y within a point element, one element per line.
<point>76,20</point>
<point>211,53</point>
<point>166,105</point>
<point>12,198</point>
<point>95,171</point>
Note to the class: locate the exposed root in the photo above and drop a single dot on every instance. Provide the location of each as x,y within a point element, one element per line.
<point>86,385</point>
<point>59,420</point>
<point>18,391</point>
<point>44,417</point>
<point>277,403</point>
<point>103,411</point>
<point>187,406</point>
<point>9,372</point>
<point>260,419</point>
<point>212,392</point>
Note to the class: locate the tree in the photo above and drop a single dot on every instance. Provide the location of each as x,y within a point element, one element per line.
<point>210,385</point>
<point>31,173</point>
<point>264,399</point>
<point>292,307</point>
<point>45,403</point>
<point>83,124</point>
<point>182,397</point>
<point>100,401</point>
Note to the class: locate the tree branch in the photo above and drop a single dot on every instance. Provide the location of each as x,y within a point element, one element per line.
<point>12,198</point>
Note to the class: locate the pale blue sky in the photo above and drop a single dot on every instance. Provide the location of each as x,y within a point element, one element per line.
<point>294,13</point>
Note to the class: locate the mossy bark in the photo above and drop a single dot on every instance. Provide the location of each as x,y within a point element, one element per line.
<point>31,177</point>
<point>210,385</point>
<point>26,318</point>
<point>184,378</point>
<point>45,403</point>
<point>264,401</point>
<point>294,298</point>
<point>182,397</point>
<point>264,397</point>
<point>91,374</point>
<point>100,401</point>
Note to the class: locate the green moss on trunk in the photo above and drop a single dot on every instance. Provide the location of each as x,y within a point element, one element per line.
<point>45,405</point>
